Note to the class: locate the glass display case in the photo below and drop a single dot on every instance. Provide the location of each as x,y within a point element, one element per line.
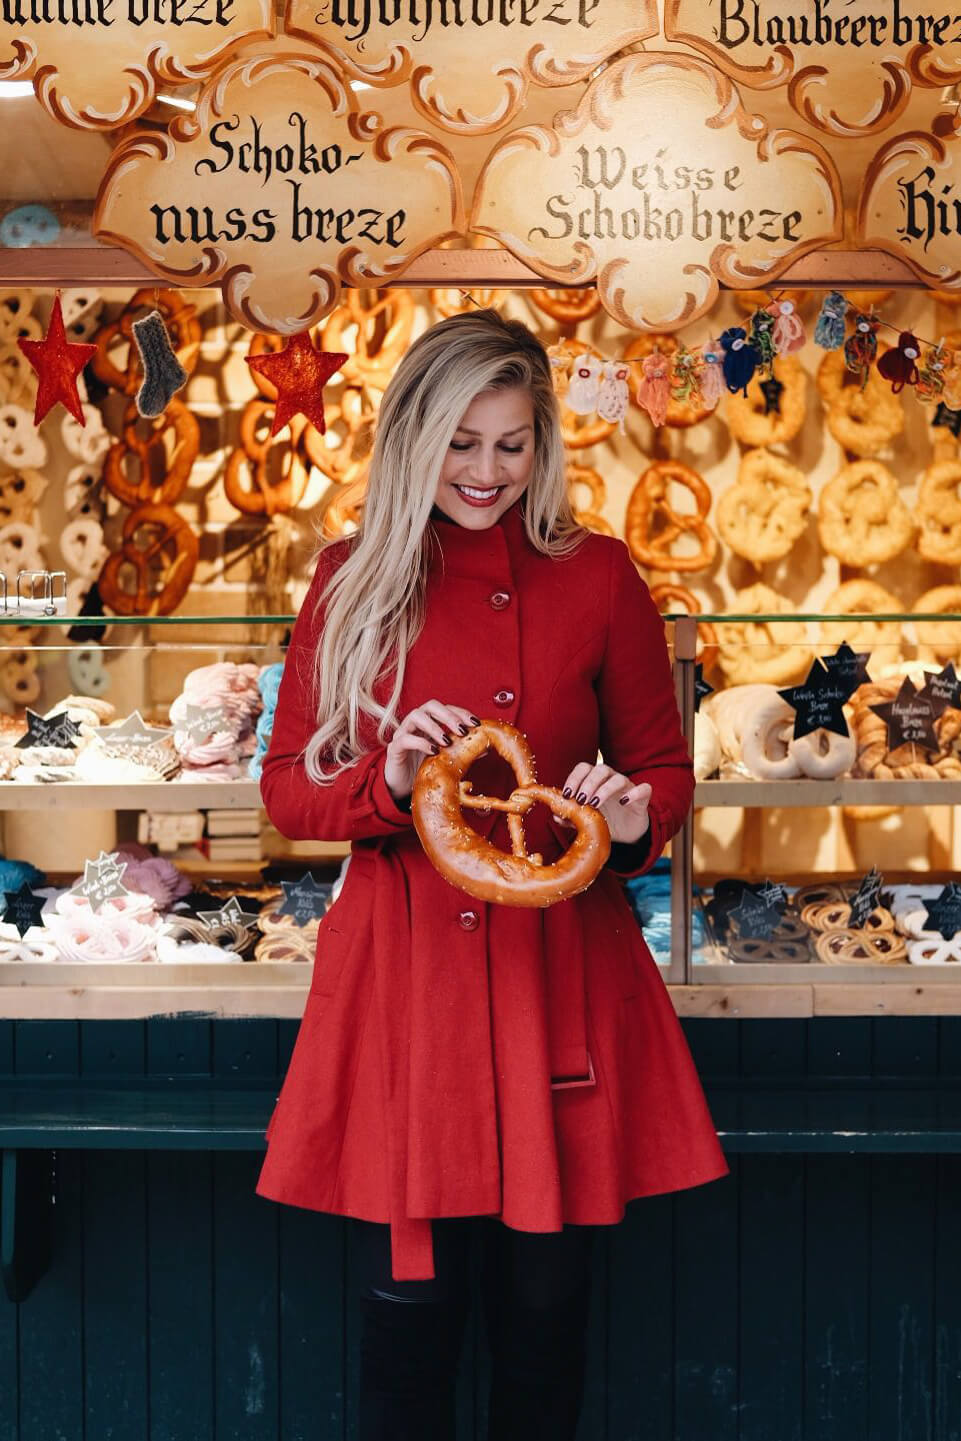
<point>823,845</point>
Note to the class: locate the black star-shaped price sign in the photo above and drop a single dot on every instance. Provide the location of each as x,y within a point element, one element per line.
<point>304,900</point>
<point>760,910</point>
<point>56,730</point>
<point>818,703</point>
<point>772,390</point>
<point>701,686</point>
<point>232,913</point>
<point>942,689</point>
<point>944,912</point>
<point>101,880</point>
<point>866,898</point>
<point>847,666</point>
<point>950,419</point>
<point>909,718</point>
<point>23,909</point>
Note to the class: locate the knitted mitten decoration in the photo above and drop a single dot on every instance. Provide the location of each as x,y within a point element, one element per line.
<point>163,374</point>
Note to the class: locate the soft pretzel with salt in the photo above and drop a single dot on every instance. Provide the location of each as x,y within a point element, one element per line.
<point>765,510</point>
<point>862,519</point>
<point>752,422</point>
<point>471,863</point>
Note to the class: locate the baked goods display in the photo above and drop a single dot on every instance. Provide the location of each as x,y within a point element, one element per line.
<point>463,857</point>
<point>814,926</point>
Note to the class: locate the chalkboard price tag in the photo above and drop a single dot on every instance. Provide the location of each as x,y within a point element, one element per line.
<point>866,898</point>
<point>101,880</point>
<point>760,910</point>
<point>56,730</point>
<point>943,689</point>
<point>305,900</point>
<point>818,703</point>
<point>909,718</point>
<point>944,911</point>
<point>23,909</point>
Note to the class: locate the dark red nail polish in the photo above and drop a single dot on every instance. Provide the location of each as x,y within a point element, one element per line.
<point>581,797</point>
<point>464,730</point>
<point>476,720</point>
<point>593,801</point>
<point>433,750</point>
<point>623,801</point>
<point>566,791</point>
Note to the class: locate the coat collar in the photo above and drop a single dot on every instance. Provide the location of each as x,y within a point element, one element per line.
<point>478,553</point>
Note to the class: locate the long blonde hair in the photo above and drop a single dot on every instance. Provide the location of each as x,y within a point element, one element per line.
<point>375,600</point>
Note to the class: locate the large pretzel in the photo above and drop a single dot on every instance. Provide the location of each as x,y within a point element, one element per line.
<point>262,478</point>
<point>162,459</point>
<point>470,862</point>
<point>161,570</point>
<point>384,321</point>
<point>653,525</point>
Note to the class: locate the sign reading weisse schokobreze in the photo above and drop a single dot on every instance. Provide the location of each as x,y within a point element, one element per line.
<point>658,212</point>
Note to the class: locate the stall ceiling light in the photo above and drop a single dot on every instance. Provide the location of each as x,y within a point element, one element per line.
<point>15,89</point>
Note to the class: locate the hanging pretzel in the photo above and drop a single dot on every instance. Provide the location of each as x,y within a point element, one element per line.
<point>667,596</point>
<point>384,321</point>
<point>653,525</point>
<point>160,571</point>
<point>264,477</point>
<point>163,458</point>
<point>567,307</point>
<point>594,483</point>
<point>121,368</point>
<point>471,863</point>
<point>343,451</point>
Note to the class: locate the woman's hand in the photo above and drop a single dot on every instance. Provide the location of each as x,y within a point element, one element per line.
<point>422,732</point>
<point>622,804</point>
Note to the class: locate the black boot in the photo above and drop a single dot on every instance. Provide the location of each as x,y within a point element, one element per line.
<point>409,1352</point>
<point>538,1360</point>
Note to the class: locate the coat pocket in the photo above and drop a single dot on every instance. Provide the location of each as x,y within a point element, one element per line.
<point>332,948</point>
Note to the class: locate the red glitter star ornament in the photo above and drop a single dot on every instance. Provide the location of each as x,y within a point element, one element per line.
<point>57,362</point>
<point>299,372</point>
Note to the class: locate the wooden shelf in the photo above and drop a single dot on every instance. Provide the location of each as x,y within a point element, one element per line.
<point>801,793</point>
<point>153,796</point>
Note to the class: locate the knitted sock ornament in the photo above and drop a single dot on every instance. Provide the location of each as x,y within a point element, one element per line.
<point>163,375</point>
<point>829,330</point>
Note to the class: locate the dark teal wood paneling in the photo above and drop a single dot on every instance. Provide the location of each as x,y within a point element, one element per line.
<point>799,1299</point>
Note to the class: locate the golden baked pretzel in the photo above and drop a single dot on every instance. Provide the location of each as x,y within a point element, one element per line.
<point>843,948</point>
<point>653,525</point>
<point>470,862</point>
<point>594,483</point>
<point>681,414</point>
<point>747,416</point>
<point>668,596</point>
<point>864,421</point>
<point>938,513</point>
<point>264,477</point>
<point>765,510</point>
<point>862,597</point>
<point>343,451</point>
<point>862,519</point>
<point>758,651</point>
<point>153,578</point>
<point>153,467</point>
<point>567,307</point>
<point>384,320</point>
<point>939,640</point>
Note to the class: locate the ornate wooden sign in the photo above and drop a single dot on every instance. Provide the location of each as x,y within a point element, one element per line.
<point>96,64</point>
<point>279,189</point>
<point>659,184</point>
<point>911,205</point>
<point>470,62</point>
<point>849,64</point>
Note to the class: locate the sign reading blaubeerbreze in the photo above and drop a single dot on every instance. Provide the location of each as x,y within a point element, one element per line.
<point>850,65</point>
<point>469,63</point>
<point>280,189</point>
<point>658,185</point>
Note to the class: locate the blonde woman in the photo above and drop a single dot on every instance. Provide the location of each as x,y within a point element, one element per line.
<point>465,1067</point>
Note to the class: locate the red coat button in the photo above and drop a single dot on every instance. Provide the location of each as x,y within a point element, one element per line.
<point>499,599</point>
<point>503,697</point>
<point>469,920</point>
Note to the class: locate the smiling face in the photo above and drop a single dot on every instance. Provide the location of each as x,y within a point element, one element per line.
<point>490,458</point>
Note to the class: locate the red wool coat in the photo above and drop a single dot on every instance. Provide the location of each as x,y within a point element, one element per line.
<point>420,1083</point>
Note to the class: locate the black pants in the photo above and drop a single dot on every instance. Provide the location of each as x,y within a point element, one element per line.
<point>535,1292</point>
